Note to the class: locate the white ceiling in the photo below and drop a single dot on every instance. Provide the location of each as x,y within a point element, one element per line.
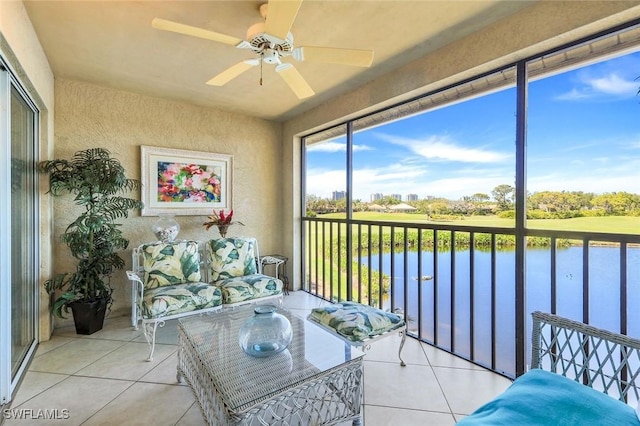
<point>112,43</point>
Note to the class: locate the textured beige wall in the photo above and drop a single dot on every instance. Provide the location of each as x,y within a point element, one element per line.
<point>543,26</point>
<point>20,47</point>
<point>93,116</point>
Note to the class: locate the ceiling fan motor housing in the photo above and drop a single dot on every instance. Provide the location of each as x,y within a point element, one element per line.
<point>260,40</point>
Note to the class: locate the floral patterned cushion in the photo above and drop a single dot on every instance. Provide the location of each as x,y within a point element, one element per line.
<point>250,287</point>
<point>231,257</point>
<point>356,322</point>
<point>176,299</point>
<point>167,264</point>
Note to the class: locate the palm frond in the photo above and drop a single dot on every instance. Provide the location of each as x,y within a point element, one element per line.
<point>94,238</point>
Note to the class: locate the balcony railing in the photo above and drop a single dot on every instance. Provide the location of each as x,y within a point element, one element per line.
<point>457,285</point>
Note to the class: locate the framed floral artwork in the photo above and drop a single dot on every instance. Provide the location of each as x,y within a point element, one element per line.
<point>185,182</point>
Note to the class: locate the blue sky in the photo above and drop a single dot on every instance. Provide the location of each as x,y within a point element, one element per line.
<point>583,135</point>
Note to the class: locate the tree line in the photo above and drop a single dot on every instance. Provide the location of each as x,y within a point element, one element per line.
<point>540,205</point>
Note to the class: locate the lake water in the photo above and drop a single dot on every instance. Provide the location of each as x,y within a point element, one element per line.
<point>604,294</point>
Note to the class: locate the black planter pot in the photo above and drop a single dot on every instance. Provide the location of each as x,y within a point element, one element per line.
<point>89,316</point>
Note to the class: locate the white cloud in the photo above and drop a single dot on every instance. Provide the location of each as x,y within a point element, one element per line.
<point>336,147</point>
<point>634,144</point>
<point>573,95</point>
<point>440,148</point>
<point>323,182</point>
<point>609,85</point>
<point>395,176</point>
<point>392,178</point>
<point>614,85</point>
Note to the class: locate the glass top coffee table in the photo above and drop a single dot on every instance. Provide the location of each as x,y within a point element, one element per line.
<point>317,380</point>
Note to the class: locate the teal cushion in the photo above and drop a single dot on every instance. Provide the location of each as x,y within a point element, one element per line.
<point>540,398</point>
<point>356,322</point>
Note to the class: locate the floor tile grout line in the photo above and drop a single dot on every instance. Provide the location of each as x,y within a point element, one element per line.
<point>44,390</point>
<point>418,410</point>
<point>124,343</point>
<point>92,362</point>
<point>59,346</point>
<point>444,395</point>
<point>185,413</point>
<point>112,399</point>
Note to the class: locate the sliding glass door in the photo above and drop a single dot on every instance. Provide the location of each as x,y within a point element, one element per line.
<point>18,234</point>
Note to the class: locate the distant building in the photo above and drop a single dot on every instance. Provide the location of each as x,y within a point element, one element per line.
<point>338,195</point>
<point>396,196</point>
<point>376,197</point>
<point>412,197</point>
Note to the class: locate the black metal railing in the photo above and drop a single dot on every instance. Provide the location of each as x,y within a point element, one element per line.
<point>456,284</point>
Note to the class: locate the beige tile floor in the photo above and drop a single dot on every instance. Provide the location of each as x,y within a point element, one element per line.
<point>103,379</point>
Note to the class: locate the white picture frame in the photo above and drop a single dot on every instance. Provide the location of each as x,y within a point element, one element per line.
<point>183,182</point>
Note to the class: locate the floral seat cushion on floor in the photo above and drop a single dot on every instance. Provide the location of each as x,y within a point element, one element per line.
<point>356,322</point>
<point>233,267</point>
<point>172,280</point>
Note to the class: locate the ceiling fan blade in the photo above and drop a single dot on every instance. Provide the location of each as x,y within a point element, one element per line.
<point>295,80</point>
<point>280,17</point>
<point>356,57</point>
<point>230,73</point>
<point>163,24</point>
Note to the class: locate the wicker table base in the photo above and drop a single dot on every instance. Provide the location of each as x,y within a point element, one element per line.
<point>316,381</point>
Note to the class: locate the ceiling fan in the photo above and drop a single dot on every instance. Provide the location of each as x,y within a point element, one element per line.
<point>271,41</point>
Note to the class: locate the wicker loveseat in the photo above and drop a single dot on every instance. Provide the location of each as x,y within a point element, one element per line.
<point>176,279</point>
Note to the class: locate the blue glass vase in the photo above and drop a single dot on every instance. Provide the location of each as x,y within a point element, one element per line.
<point>266,333</point>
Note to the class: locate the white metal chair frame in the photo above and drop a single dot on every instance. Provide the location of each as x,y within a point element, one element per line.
<point>150,325</point>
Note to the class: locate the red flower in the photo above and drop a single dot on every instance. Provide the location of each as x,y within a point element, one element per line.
<point>217,219</point>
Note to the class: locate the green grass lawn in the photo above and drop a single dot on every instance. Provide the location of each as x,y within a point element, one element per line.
<point>610,224</point>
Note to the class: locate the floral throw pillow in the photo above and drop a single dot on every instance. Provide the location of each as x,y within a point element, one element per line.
<point>231,257</point>
<point>171,263</point>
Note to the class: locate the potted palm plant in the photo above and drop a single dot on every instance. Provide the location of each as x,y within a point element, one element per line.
<point>94,237</point>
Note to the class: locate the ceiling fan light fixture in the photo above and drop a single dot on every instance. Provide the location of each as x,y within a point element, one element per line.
<point>271,56</point>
